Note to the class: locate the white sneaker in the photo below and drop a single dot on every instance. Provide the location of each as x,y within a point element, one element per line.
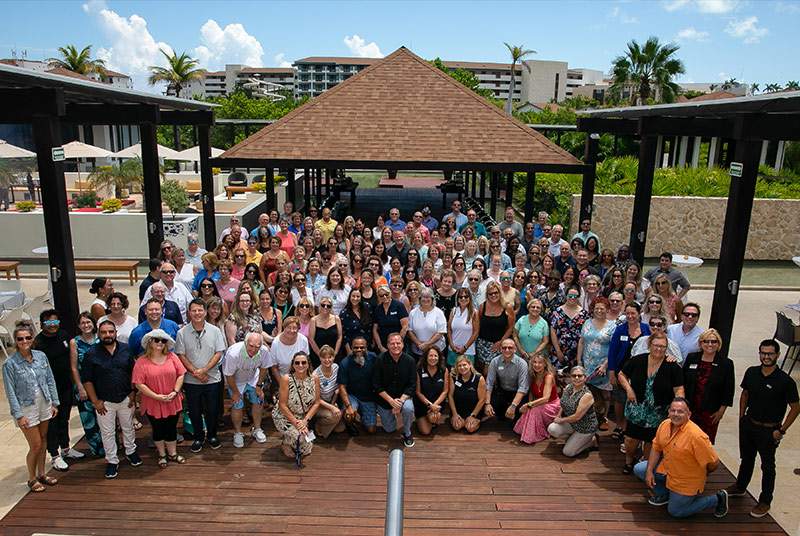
<point>238,440</point>
<point>259,435</point>
<point>72,454</point>
<point>59,464</point>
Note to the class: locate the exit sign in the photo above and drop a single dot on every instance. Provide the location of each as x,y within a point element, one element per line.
<point>736,169</point>
<point>58,154</point>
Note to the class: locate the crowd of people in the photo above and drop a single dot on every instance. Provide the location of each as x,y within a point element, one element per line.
<point>339,327</point>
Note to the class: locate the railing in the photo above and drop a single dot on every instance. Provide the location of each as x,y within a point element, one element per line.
<point>393,524</point>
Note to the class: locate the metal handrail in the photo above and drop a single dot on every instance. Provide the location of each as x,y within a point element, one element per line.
<point>393,523</point>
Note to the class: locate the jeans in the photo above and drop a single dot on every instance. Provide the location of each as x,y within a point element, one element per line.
<point>58,431</point>
<point>365,409</point>
<point>754,439</point>
<point>679,505</point>
<point>389,419</point>
<point>202,404</point>
<point>108,429</point>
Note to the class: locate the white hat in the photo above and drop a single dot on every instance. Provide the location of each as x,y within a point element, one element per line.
<point>158,334</point>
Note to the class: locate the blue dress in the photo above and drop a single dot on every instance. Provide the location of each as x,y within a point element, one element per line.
<point>85,407</point>
<point>595,352</point>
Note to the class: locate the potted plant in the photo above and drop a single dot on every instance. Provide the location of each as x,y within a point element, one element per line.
<point>174,195</point>
<point>111,205</point>
<point>86,199</point>
<point>25,206</point>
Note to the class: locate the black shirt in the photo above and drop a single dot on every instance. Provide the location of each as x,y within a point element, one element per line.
<point>397,378</point>
<point>110,374</point>
<point>668,376</point>
<point>768,396</point>
<point>56,348</point>
<point>389,321</point>
<point>146,283</point>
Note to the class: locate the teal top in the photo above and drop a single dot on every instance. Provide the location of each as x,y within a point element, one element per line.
<point>531,335</point>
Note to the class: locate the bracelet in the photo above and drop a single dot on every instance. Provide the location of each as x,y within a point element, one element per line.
<point>781,431</point>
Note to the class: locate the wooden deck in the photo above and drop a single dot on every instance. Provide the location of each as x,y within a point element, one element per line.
<point>455,485</point>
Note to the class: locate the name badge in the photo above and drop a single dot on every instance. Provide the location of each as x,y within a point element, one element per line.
<point>440,380</point>
<point>501,367</point>
<point>458,384</point>
<point>714,364</point>
<point>694,366</point>
<point>623,338</point>
<point>424,374</point>
<point>769,386</point>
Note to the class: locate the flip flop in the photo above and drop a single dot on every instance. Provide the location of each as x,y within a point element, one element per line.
<point>35,486</point>
<point>47,480</point>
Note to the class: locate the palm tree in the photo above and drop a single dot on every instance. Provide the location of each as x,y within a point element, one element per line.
<point>517,54</point>
<point>772,88</point>
<point>754,88</point>
<point>792,85</point>
<point>78,62</point>
<point>180,71</point>
<point>647,71</point>
<point>730,84</point>
<point>118,176</point>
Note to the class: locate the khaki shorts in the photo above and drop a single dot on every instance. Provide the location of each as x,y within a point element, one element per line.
<point>38,412</point>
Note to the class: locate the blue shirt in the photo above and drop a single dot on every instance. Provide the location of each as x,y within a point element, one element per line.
<point>620,346</point>
<point>400,225</point>
<point>201,274</point>
<point>480,229</point>
<point>21,380</point>
<point>135,340</point>
<point>109,374</point>
<point>358,379</point>
<point>461,219</point>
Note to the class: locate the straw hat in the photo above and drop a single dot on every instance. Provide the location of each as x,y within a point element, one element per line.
<point>158,334</point>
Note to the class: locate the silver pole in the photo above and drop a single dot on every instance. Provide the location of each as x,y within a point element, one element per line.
<point>393,524</point>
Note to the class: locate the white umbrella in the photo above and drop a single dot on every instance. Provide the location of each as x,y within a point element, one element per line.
<point>136,151</point>
<point>12,151</point>
<point>192,154</point>
<point>76,149</point>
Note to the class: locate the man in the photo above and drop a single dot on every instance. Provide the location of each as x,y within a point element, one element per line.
<point>564,259</point>
<point>528,236</point>
<point>680,460</point>
<point>429,221</point>
<point>541,220</point>
<point>766,393</point>
<point>416,226</point>
<point>547,231</point>
<point>252,255</point>
<point>172,292</point>
<point>263,227</point>
<point>555,242</point>
<point>472,219</point>
<point>326,225</point>
<point>456,214</point>
<point>355,387</point>
<point>658,325</point>
<point>106,375</point>
<point>686,334</point>
<point>194,252</point>
<point>199,346</point>
<point>170,309</point>
<point>582,262</point>
<point>234,221</point>
<point>509,223</point>
<point>585,232</point>
<point>54,342</point>
<point>394,222</point>
<point>623,259</point>
<point>394,380</point>
<point>399,248</point>
<point>246,366</point>
<point>154,319</point>
<point>153,276</point>
<point>506,383</point>
<point>679,282</point>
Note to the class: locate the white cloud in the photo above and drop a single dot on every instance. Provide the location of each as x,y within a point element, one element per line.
<point>361,48</point>
<point>692,34</point>
<point>714,7</point>
<point>231,44</point>
<point>746,29</point>
<point>280,60</point>
<point>674,5</point>
<point>787,7</point>
<point>621,16</point>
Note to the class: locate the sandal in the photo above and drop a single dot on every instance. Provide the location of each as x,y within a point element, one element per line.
<point>136,424</point>
<point>35,486</point>
<point>162,462</point>
<point>618,434</point>
<point>177,458</point>
<point>47,480</point>
<point>627,469</point>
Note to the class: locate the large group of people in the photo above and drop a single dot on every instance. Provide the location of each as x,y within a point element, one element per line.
<point>339,327</point>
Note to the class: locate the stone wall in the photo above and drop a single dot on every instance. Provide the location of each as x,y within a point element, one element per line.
<point>693,225</point>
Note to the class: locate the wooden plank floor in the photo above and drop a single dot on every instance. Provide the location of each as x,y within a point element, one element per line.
<point>455,484</point>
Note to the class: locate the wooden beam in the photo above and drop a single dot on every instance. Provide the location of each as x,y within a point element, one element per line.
<point>483,188</point>
<point>183,118</point>
<point>530,189</point>
<point>589,175</point>
<point>21,105</point>
<point>291,189</point>
<point>269,177</point>
<point>111,114</point>
<point>307,189</point>
<point>207,187</point>
<point>642,198</point>
<point>494,188</point>
<point>627,127</point>
<point>474,181</point>
<point>152,188</point>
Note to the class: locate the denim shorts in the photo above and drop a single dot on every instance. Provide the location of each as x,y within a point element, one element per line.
<point>250,394</point>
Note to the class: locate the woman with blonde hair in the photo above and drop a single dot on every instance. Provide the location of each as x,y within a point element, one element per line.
<point>239,263</point>
<point>411,297</point>
<point>543,403</point>
<point>495,323</point>
<point>672,305</point>
<point>329,416</point>
<point>215,312</point>
<point>243,318</point>
<point>467,396</point>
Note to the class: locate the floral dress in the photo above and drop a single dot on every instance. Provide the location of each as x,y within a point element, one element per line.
<point>645,416</point>
<point>85,407</point>
<point>253,324</point>
<point>568,333</point>
<point>301,398</point>
<point>595,352</point>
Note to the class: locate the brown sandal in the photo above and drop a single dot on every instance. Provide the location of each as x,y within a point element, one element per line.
<point>177,458</point>
<point>47,480</point>
<point>35,486</point>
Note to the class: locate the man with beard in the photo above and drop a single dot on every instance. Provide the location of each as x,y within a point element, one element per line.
<point>766,393</point>
<point>355,387</point>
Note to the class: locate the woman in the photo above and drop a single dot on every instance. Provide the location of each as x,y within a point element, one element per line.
<point>650,383</point>
<point>288,239</point>
<point>298,402</point>
<point>593,250</point>
<point>593,356</point>
<point>251,275</point>
<point>226,284</point>
<point>619,351</point>
<point>207,289</point>
<point>242,320</point>
<point>210,264</point>
<point>459,272</point>
<point>427,276</point>
<point>253,256</point>
<point>672,304</point>
<point>495,323</point>
<point>459,245</point>
<point>268,316</point>
<point>342,242</point>
<point>508,293</point>
<point>466,396</point>
<point>118,304</point>
<point>102,287</point>
<point>569,278</point>
<point>239,263</point>
<point>548,267</point>
<point>427,326</point>
<point>366,286</point>
<point>410,275</point>
<point>281,275</point>
<point>495,268</point>
<point>273,225</point>
<point>606,264</point>
<point>158,375</point>
<point>543,404</point>
<point>390,316</point>
<point>411,297</point>
<point>165,250</point>
<point>576,420</point>
<point>520,265</point>
<point>215,313</point>
<point>270,257</point>
<point>222,252</point>
<point>462,328</point>
<point>356,319</point>
<point>518,282</point>
<point>470,253</point>
<point>413,260</point>
<point>336,290</point>
<point>184,271</point>
<point>33,400</point>
<point>314,279</point>
<point>433,387</point>
<point>301,290</point>
<point>77,352</point>
<point>615,313</point>
<point>305,312</point>
<point>629,293</point>
<point>654,307</point>
<point>566,324</point>
<point>282,302</point>
<point>709,382</point>
<point>329,416</point>
<point>633,274</point>
<point>552,296</point>
<point>320,245</point>
<point>614,281</point>
<point>325,329</point>
<point>531,332</point>
<point>445,295</point>
<point>591,290</point>
<point>377,231</point>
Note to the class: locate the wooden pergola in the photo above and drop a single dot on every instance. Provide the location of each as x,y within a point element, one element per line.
<point>744,122</point>
<point>48,101</point>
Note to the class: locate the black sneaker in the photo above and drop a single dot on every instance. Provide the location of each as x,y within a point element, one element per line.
<point>722,504</point>
<point>408,441</point>
<point>197,446</point>
<point>111,470</point>
<point>214,443</point>
<point>660,500</point>
<point>134,459</point>
<point>351,428</point>
<point>735,491</point>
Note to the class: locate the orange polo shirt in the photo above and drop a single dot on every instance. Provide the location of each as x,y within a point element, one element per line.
<point>686,453</point>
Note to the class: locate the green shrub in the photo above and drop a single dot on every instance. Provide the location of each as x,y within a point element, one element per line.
<point>85,199</point>
<point>174,195</point>
<point>25,206</point>
<point>111,204</point>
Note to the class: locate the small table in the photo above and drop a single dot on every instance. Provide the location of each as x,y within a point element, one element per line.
<point>686,261</point>
<point>796,260</point>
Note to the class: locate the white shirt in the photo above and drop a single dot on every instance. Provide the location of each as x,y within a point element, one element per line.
<point>186,275</point>
<point>244,234</point>
<point>309,295</point>
<point>461,329</point>
<point>426,325</point>
<point>124,329</point>
<point>281,354</point>
<point>242,367</point>
<point>178,293</point>
<point>555,249</point>
<point>338,297</point>
<point>640,347</point>
<point>196,259</point>
<point>687,342</point>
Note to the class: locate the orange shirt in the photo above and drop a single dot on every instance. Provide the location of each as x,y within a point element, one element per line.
<point>686,454</point>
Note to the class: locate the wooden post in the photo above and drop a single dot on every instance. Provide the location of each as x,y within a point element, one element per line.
<point>483,189</point>
<point>152,188</point>
<point>509,188</point>
<point>474,177</point>
<point>494,188</point>
<point>291,188</point>
<point>530,189</point>
<point>306,189</point>
<point>318,182</point>
<point>207,188</point>
<point>644,193</point>
<point>269,177</point>
<point>589,176</point>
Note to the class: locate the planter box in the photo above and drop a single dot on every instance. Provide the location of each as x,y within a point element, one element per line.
<point>178,228</point>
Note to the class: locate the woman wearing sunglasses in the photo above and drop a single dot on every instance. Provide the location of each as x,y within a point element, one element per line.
<point>298,402</point>
<point>325,329</point>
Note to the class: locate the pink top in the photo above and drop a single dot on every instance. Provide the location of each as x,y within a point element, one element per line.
<point>161,380</point>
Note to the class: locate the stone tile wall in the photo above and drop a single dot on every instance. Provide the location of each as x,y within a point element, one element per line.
<point>693,225</point>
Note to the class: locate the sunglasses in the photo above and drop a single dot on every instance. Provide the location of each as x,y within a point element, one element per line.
<point>710,341</point>
<point>301,363</point>
<point>26,338</point>
<point>239,256</point>
<point>413,290</point>
<point>654,302</point>
<point>303,306</point>
<point>159,341</point>
<point>505,279</point>
<point>691,315</point>
<point>577,375</point>
<point>325,306</point>
<point>167,272</point>
<point>656,325</point>
<point>206,285</point>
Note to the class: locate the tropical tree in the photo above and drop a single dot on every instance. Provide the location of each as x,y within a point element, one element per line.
<point>647,71</point>
<point>792,85</point>
<point>464,77</point>
<point>518,53</point>
<point>772,88</point>
<point>80,62</point>
<point>118,176</point>
<point>179,72</point>
<point>755,87</point>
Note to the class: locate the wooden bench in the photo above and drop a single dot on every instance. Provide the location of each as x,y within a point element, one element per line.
<point>230,190</point>
<point>110,266</point>
<point>8,266</point>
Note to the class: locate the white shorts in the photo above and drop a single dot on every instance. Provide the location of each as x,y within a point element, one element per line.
<point>39,411</point>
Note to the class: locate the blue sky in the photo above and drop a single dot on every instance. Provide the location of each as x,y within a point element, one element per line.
<point>752,40</point>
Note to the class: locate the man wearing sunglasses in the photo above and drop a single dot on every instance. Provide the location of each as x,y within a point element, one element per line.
<point>658,325</point>
<point>676,278</point>
<point>174,293</point>
<point>687,333</point>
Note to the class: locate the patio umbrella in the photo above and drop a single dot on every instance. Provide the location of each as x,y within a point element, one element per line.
<point>192,154</point>
<point>12,151</point>
<point>136,151</point>
<point>77,149</point>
